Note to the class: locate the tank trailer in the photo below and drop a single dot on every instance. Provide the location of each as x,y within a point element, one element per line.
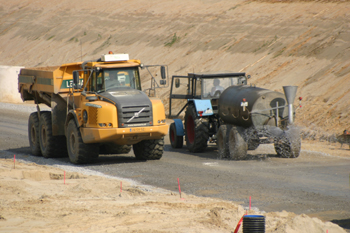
<point>97,107</point>
<point>222,108</point>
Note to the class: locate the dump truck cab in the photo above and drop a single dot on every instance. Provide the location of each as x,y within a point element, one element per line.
<point>98,106</point>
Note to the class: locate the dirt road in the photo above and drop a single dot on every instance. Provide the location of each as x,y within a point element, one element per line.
<point>316,183</point>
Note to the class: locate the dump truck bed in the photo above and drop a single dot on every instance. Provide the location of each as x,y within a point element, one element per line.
<point>50,79</point>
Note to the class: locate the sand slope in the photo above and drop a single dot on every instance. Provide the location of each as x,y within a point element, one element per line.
<point>36,198</point>
<point>304,43</point>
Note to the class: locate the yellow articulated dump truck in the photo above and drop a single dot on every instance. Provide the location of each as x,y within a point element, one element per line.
<point>97,107</point>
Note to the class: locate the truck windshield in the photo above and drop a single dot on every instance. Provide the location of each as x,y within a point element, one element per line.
<point>121,78</point>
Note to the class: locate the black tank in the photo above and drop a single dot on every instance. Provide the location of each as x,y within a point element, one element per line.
<point>259,111</point>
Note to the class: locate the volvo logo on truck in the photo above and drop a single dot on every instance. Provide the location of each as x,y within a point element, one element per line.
<point>136,114</point>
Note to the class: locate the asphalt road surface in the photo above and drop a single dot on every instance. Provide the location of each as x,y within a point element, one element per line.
<point>315,183</point>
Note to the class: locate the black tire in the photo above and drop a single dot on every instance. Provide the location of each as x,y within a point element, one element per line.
<point>223,141</point>
<point>176,141</point>
<point>237,144</point>
<point>197,130</point>
<point>50,146</point>
<point>78,151</point>
<point>33,134</point>
<point>253,140</point>
<point>289,144</point>
<point>149,149</point>
<point>112,148</point>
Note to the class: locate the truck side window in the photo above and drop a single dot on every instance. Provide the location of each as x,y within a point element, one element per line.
<point>137,80</point>
<point>93,81</point>
<point>96,81</point>
<point>99,81</point>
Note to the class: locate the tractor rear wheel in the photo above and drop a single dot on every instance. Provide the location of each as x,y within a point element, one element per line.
<point>78,151</point>
<point>197,130</point>
<point>176,141</point>
<point>50,146</point>
<point>149,149</point>
<point>237,144</point>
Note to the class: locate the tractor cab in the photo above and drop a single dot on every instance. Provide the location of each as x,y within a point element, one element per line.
<point>203,86</point>
<point>198,95</point>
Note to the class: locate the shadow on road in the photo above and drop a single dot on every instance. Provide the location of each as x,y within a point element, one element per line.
<point>24,153</point>
<point>110,159</point>
<point>344,223</point>
<point>211,152</point>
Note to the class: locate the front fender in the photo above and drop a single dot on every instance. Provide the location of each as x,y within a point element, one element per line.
<point>71,115</point>
<point>179,127</point>
<point>203,107</point>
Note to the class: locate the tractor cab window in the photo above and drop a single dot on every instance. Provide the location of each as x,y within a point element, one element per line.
<point>213,87</point>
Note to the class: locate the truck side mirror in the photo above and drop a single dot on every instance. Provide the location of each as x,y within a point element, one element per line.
<point>162,72</point>
<point>162,82</point>
<point>76,80</point>
<point>248,77</point>
<point>177,83</point>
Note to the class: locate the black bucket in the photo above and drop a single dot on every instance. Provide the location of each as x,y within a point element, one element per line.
<point>254,224</point>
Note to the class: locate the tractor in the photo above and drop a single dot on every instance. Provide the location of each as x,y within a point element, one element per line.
<point>201,120</point>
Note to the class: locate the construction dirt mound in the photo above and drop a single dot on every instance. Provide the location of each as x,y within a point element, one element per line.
<point>36,198</point>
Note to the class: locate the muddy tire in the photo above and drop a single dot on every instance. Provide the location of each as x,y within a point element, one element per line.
<point>223,141</point>
<point>289,144</point>
<point>50,146</point>
<point>197,130</point>
<point>176,141</point>
<point>112,148</point>
<point>149,149</point>
<point>238,146</point>
<point>253,141</point>
<point>33,134</point>
<point>78,151</point>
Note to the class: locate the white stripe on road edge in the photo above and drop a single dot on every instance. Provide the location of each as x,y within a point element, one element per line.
<point>211,164</point>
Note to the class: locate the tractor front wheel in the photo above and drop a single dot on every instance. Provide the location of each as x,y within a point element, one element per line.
<point>176,141</point>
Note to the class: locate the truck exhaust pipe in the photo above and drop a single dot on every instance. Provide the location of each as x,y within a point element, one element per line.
<point>290,93</point>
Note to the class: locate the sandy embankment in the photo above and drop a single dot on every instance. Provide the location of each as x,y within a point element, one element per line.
<point>34,198</point>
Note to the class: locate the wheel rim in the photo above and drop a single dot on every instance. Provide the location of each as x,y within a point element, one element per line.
<point>190,129</point>
<point>33,135</point>
<point>72,143</point>
<point>172,135</point>
<point>43,136</point>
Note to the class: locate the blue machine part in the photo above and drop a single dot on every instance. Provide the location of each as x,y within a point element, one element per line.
<point>203,107</point>
<point>179,127</point>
